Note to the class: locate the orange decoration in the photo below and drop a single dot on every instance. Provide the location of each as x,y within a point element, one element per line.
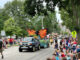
<point>31,32</point>
<point>42,33</point>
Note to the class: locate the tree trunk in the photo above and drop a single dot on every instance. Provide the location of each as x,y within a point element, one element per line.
<point>77,18</point>
<point>75,13</point>
<point>73,10</point>
<point>78,36</point>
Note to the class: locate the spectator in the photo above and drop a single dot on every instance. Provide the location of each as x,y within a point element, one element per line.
<point>56,45</point>
<point>78,48</point>
<point>68,57</point>
<point>53,58</point>
<point>62,54</point>
<point>1,47</point>
<point>78,56</point>
<point>11,41</point>
<point>64,58</point>
<point>74,57</point>
<point>49,59</point>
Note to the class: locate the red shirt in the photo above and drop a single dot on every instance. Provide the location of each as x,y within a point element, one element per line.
<point>11,40</point>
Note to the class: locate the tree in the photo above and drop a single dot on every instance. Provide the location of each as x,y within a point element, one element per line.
<point>37,10</point>
<point>15,9</point>
<point>67,20</point>
<point>50,22</point>
<point>36,6</point>
<point>11,27</point>
<point>3,17</point>
<point>71,7</point>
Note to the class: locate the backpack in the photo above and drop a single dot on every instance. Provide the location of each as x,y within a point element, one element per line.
<point>1,43</point>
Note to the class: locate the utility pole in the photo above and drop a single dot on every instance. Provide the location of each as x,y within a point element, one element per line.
<point>42,22</point>
<point>44,4</point>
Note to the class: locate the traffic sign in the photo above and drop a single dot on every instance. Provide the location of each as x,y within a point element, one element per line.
<point>3,33</point>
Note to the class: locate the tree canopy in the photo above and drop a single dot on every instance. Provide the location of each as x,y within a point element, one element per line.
<point>3,17</point>
<point>11,27</point>
<point>71,9</point>
<point>22,15</point>
<point>39,6</point>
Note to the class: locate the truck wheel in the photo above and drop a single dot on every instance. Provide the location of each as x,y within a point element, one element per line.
<point>33,49</point>
<point>39,47</point>
<point>20,50</point>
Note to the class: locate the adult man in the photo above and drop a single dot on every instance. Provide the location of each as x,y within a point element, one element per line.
<point>1,47</point>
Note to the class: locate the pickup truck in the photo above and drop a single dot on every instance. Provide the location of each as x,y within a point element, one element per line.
<point>29,43</point>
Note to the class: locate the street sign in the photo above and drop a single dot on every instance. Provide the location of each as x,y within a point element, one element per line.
<point>74,34</point>
<point>3,33</point>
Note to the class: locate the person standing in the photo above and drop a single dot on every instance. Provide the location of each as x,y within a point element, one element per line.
<point>11,41</point>
<point>1,47</point>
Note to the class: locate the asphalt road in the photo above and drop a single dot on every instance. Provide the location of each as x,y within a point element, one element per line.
<point>12,53</point>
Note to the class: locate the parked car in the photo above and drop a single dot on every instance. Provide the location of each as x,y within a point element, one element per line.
<point>44,43</point>
<point>29,43</point>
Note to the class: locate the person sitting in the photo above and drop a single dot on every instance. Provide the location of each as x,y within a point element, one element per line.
<point>64,58</point>
<point>74,57</point>
<point>62,54</point>
<point>49,59</point>
<point>78,56</point>
<point>53,58</point>
<point>78,48</point>
<point>68,57</point>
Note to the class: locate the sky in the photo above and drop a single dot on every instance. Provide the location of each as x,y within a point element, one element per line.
<point>2,2</point>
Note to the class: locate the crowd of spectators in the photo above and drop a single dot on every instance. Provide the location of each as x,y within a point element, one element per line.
<point>66,49</point>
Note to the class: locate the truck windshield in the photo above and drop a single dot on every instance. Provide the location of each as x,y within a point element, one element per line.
<point>27,39</point>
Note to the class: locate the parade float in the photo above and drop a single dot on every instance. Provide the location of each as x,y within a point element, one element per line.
<point>44,42</point>
<point>41,35</point>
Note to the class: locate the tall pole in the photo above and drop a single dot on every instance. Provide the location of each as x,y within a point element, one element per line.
<point>42,23</point>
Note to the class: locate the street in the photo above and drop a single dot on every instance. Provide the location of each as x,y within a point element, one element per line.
<point>12,53</point>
